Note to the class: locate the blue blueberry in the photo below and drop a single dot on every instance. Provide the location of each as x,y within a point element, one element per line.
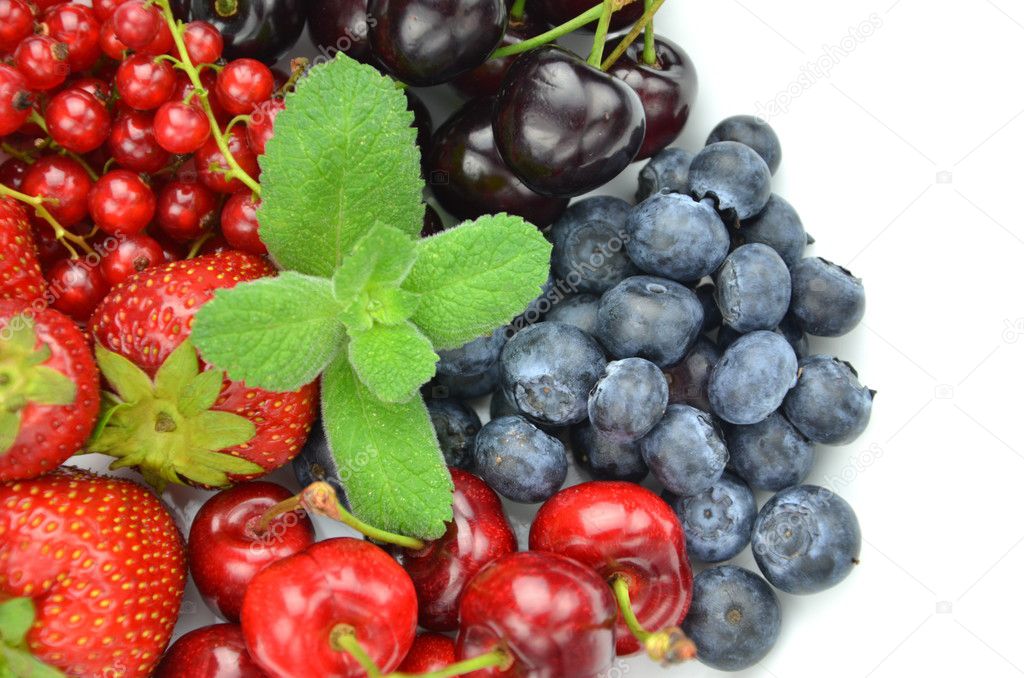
<point>666,171</point>
<point>519,461</point>
<point>589,245</point>
<point>579,310</point>
<point>827,300</point>
<point>547,371</point>
<point>806,539</point>
<point>629,399</point>
<point>778,226</point>
<point>752,378</point>
<point>726,337</point>
<point>316,463</point>
<point>718,521</point>
<point>828,404</point>
<point>672,236</point>
<point>753,288</point>
<point>753,132</point>
<point>456,426</point>
<point>476,357</point>
<point>712,316</point>
<point>735,175</point>
<point>685,451</point>
<point>790,329</point>
<point>605,458</point>
<point>463,386</point>
<point>734,618</point>
<point>688,379</point>
<point>648,317</point>
<point>771,454</point>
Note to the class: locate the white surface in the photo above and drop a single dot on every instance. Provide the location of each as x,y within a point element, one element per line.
<point>904,162</point>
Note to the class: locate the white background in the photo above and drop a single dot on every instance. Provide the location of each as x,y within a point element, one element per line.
<point>902,153</point>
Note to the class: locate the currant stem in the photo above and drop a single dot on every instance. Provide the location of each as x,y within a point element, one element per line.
<point>34,116</point>
<point>23,156</point>
<point>601,34</point>
<point>668,646</point>
<point>633,34</point>
<point>650,56</point>
<point>238,119</point>
<point>62,234</point>
<point>498,658</point>
<point>517,11</point>
<point>591,15</point>
<point>343,639</point>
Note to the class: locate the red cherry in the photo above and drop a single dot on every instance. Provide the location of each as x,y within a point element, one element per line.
<point>12,173</point>
<point>226,549</point>
<point>294,607</point>
<point>64,183</point>
<point>133,143</point>
<point>239,225</point>
<point>120,202</point>
<point>181,127</point>
<point>109,43</point>
<point>203,42</point>
<point>15,100</point>
<point>15,24</point>
<point>478,534</point>
<point>43,61</point>
<point>429,652</point>
<point>76,26</point>
<point>77,120</point>
<point>555,616</point>
<point>133,254</point>
<point>216,651</point>
<point>144,83</point>
<point>136,23</point>
<point>242,84</point>
<point>185,209</point>
<point>622,530</point>
<point>260,128</point>
<point>210,162</point>
<point>77,286</point>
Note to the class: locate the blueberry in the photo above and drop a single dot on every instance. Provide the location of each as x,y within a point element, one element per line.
<point>753,132</point>
<point>753,288</point>
<point>589,245</point>
<point>734,618</point>
<point>547,371</point>
<point>605,458</point>
<point>734,175</point>
<point>666,171</point>
<point>806,539</point>
<point>726,337</point>
<point>456,426</point>
<point>464,386</point>
<point>792,331</point>
<point>718,521</point>
<point>475,357</point>
<point>828,404</point>
<point>519,461</point>
<point>712,316</point>
<point>771,454</point>
<point>688,379</point>
<point>672,236</point>
<point>650,318</point>
<point>827,300</point>
<point>316,462</point>
<point>629,399</point>
<point>752,378</point>
<point>685,451</point>
<point>579,310</point>
<point>778,226</point>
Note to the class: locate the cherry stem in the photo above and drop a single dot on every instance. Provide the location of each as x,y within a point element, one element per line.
<point>499,658</point>
<point>591,15</point>
<point>197,245</point>
<point>343,639</point>
<point>601,34</point>
<point>668,646</point>
<point>517,11</point>
<point>65,236</point>
<point>650,56</point>
<point>633,34</point>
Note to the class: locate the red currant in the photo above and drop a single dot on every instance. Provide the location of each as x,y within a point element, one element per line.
<point>261,124</point>
<point>64,183</point>
<point>94,86</point>
<point>111,46</point>
<point>203,42</point>
<point>77,287</point>
<point>183,90</point>
<point>134,253</point>
<point>211,164</point>
<point>133,143</point>
<point>144,83</point>
<point>239,225</point>
<point>185,209</point>
<point>43,61</point>
<point>136,23</point>
<point>15,100</point>
<point>242,84</point>
<point>104,9</point>
<point>162,43</point>
<point>15,24</point>
<point>12,173</point>
<point>121,202</point>
<point>181,127</point>
<point>77,120</point>
<point>43,5</point>
<point>76,26</point>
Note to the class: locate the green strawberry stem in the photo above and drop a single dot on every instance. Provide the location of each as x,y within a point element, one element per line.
<point>591,15</point>
<point>64,236</point>
<point>650,57</point>
<point>343,639</point>
<point>668,646</point>
<point>601,34</point>
<point>634,33</point>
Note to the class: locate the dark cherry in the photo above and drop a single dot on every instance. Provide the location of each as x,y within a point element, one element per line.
<point>256,29</point>
<point>423,121</point>
<point>216,651</point>
<point>432,223</point>
<point>485,79</point>
<point>469,177</point>
<point>131,255</point>
<point>429,652</point>
<point>564,127</point>
<point>667,89</point>
<point>226,550</point>
<point>427,42</point>
<point>77,286</point>
<point>559,11</point>
<point>340,26</point>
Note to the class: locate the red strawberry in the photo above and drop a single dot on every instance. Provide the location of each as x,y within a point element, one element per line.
<point>49,390</point>
<point>173,421</point>
<point>92,572</point>
<point>20,276</point>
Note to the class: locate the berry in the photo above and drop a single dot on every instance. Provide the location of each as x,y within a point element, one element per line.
<point>203,42</point>
<point>589,252</point>
<point>136,23</point>
<point>485,80</point>
<point>77,120</point>
<point>806,539</point>
<point>180,128</point>
<point>260,128</point>
<point>734,619</point>
<point>685,451</point>
<point>77,27</point>
<point>109,43</point>
<point>456,426</point>
<point>629,399</point>
<point>216,651</point>
<point>15,23</point>
<point>688,379</point>
<point>771,454</point>
<point>133,143</point>
<point>668,170</point>
<point>718,521</point>
<point>63,183</point>
<point>828,404</point>
<point>752,378</point>
<point>474,357</point>
<point>43,61</point>
<point>243,84</point>
<point>210,162</point>
<point>340,26</point>
<point>101,89</point>
<point>734,175</point>
<point>20,276</point>
<point>465,387</point>
<point>255,29</point>
<point>712,314</point>
<point>606,458</point>
<point>15,100</point>
<point>432,223</point>
<point>778,226</point>
<point>429,652</point>
<point>144,83</point>
<point>185,210</point>
<point>121,202</point>
<point>752,288</point>
<point>163,43</point>
<point>133,254</point>
<point>750,131</point>
<point>828,301</point>
<point>77,288</point>
<point>519,461</point>
<point>672,236</point>
<point>239,225</point>
<point>579,310</point>
<point>104,9</point>
<point>12,173</point>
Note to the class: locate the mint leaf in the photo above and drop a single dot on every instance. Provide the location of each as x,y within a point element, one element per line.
<point>388,458</point>
<point>273,333</point>
<point>476,277</point>
<point>392,305</point>
<point>343,157</point>
<point>393,361</point>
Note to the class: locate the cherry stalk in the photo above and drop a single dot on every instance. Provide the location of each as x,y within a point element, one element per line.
<point>343,639</point>
<point>668,646</point>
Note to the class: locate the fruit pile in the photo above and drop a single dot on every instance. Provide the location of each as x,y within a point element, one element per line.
<point>211,269</point>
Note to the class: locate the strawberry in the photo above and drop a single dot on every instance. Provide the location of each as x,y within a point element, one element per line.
<point>20,275</point>
<point>49,390</point>
<point>92,573</point>
<point>172,417</point>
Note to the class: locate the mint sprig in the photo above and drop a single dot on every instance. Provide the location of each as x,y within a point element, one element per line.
<point>366,302</point>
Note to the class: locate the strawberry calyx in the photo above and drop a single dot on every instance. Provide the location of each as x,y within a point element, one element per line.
<point>24,379</point>
<point>17,615</point>
<point>165,427</point>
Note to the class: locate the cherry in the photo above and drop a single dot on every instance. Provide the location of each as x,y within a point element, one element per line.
<point>120,202</point>
<point>557,12</point>
<point>478,534</point>
<point>12,173</point>
<point>299,612</point>
<point>340,26</point>
<point>573,133</point>
<point>216,651</point>
<point>77,286</point>
<point>181,127</point>
<point>469,178</point>
<point>203,42</point>
<point>227,546</point>
<point>64,183</point>
<point>109,44</point>
<point>133,254</point>
<point>667,89</point>
<point>136,23</point>
<point>239,225</point>
<point>211,165</point>
<point>243,84</point>
<point>43,61</point>
<point>133,143</point>
<point>429,652</point>
<point>185,209</point>
<point>555,617</point>
<point>260,128</point>
<point>144,83</point>
<point>76,26</point>
<point>423,42</point>
<point>77,120</point>
<point>15,23</point>
<point>257,29</point>
<point>432,224</point>
<point>485,79</point>
<point>622,531</point>
<point>15,100</point>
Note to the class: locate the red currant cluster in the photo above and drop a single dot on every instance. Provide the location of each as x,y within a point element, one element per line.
<point>130,137</point>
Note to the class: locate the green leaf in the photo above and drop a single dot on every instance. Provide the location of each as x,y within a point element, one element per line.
<point>201,392</point>
<point>131,383</point>
<point>476,277</point>
<point>388,457</point>
<point>392,361</point>
<point>47,386</point>
<point>180,367</point>
<point>16,618</point>
<point>343,157</point>
<point>215,430</point>
<point>274,333</point>
<point>392,305</point>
